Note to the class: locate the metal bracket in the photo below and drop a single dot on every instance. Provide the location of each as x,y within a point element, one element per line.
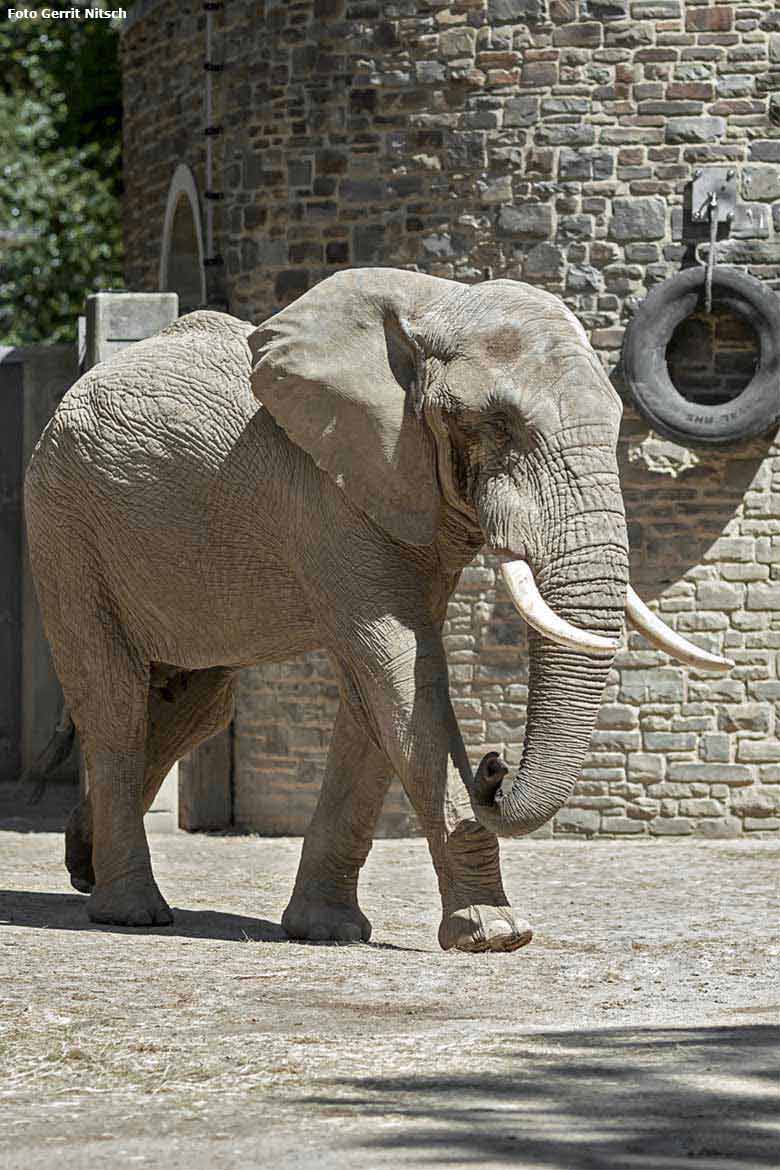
<point>717,182</point>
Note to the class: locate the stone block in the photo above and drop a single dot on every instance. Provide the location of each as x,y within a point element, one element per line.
<point>719,596</point>
<point>733,775</point>
<point>583,278</point>
<point>543,263</point>
<point>761,824</point>
<point>701,807</point>
<point>291,283</point>
<point>723,690</point>
<point>764,150</point>
<point>576,227</point>
<point>466,150</point>
<point>629,34</point>
<point>566,134</point>
<point>616,739</point>
<point>577,820</point>
<point>664,685</point>
<point>758,751</point>
<point>670,741</point>
<point>526,220</point>
<point>368,243</point>
<point>643,766</point>
<point>715,19</point>
<point>574,165</point>
<point>623,826</point>
<point>497,190</point>
<point>718,827</point>
<point>756,802</point>
<point>429,72</point>
<point>460,41</point>
<point>751,252</point>
<point>638,219</point>
<point>601,802</point>
<point>515,11</point>
<point>746,717</point>
<point>580,36</point>
<point>735,85</point>
<point>715,747</point>
<point>737,572</point>
<point>607,338</point>
<point>670,826</point>
<point>114,319</point>
<point>539,73</point>
<point>521,111</point>
<point>643,808</point>
<point>607,10</point>
<point>668,790</point>
<point>763,597</point>
<point>703,129</point>
<point>617,715</point>
<point>761,183</point>
<point>707,622</point>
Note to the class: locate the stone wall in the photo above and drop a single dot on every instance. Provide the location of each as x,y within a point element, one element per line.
<point>548,142</point>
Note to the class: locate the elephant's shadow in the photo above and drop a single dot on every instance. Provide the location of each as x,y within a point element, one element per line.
<point>45,911</point>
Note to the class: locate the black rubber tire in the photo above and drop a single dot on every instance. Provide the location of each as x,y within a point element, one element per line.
<point>755,410</point>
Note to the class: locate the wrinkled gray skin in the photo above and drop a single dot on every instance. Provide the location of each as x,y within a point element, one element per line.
<point>180,531</point>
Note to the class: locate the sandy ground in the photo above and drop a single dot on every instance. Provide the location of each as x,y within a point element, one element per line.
<point>639,1031</point>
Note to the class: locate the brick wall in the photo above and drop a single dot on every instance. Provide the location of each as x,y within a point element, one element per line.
<point>550,143</point>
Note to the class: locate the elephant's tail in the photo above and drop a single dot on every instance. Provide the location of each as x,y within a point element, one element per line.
<point>55,753</point>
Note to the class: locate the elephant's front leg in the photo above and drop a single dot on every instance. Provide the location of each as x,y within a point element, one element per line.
<point>408,705</point>
<point>324,902</point>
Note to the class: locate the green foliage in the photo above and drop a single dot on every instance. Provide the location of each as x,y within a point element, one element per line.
<point>60,165</point>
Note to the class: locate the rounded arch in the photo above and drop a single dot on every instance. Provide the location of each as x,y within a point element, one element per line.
<point>181,255</point>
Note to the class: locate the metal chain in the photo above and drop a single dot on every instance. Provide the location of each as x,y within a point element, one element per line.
<point>713,214</point>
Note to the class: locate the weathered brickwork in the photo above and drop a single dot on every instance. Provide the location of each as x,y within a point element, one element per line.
<point>549,141</point>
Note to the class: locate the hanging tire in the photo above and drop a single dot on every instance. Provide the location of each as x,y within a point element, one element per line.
<point>755,410</point>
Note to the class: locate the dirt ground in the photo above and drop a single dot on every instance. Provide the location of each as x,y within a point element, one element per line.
<point>638,1031</point>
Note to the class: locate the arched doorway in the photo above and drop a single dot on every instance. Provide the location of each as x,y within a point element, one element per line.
<point>181,258</point>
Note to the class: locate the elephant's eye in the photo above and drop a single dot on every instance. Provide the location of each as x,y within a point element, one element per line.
<point>502,429</point>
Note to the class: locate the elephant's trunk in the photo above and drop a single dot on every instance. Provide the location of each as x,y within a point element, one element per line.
<point>586,588</point>
<point>564,698</point>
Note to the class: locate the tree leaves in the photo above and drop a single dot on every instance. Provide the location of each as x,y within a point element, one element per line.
<point>60,168</point>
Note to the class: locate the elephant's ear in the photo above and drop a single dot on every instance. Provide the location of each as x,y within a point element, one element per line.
<point>341,371</point>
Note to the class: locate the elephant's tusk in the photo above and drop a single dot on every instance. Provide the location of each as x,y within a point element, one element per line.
<point>648,623</point>
<point>530,604</point>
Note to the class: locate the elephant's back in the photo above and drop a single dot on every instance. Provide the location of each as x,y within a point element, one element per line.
<point>169,407</point>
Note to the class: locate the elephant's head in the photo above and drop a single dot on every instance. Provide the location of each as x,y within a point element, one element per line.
<point>422,396</point>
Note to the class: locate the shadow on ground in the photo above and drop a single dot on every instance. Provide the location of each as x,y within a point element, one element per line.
<point>613,1099</point>
<point>69,912</point>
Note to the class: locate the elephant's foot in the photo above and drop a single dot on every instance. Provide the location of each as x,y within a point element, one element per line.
<point>130,902</point>
<point>483,928</point>
<point>316,917</point>
<point>78,849</point>
<point>476,912</point>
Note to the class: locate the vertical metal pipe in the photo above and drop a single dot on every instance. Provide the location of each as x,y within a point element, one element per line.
<point>209,146</point>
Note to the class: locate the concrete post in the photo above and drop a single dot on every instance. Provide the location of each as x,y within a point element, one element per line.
<point>115,320</point>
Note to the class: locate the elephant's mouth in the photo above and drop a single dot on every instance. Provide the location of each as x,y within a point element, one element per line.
<point>532,607</point>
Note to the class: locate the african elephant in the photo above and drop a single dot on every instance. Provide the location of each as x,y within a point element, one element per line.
<point>222,495</point>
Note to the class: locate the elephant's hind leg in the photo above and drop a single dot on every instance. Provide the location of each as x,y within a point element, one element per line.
<point>324,902</point>
<point>181,715</point>
<point>106,686</point>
